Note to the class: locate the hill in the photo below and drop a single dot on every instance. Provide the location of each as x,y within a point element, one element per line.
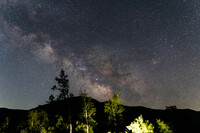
<point>180,120</point>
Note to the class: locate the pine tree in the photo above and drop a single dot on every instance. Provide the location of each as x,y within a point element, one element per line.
<point>62,87</point>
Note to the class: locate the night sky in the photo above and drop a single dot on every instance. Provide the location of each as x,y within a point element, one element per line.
<point>148,50</point>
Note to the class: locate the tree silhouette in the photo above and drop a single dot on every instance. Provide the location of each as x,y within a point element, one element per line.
<point>171,108</point>
<point>51,99</point>
<point>114,109</point>
<point>62,87</point>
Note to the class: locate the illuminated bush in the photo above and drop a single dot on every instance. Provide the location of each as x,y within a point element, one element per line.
<point>140,126</point>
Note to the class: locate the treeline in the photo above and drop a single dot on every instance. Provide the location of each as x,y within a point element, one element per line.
<point>39,121</point>
<point>83,121</point>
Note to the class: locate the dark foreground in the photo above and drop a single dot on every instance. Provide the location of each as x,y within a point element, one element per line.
<point>180,120</point>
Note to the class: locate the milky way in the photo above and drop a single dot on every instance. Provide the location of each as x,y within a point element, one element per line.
<point>147,50</point>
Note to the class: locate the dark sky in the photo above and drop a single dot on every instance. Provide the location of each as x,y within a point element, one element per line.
<point>148,50</point>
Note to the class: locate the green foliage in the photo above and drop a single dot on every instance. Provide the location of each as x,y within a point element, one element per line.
<point>140,126</point>
<point>114,109</point>
<point>43,130</point>
<point>61,125</point>
<point>164,128</point>
<point>62,87</point>
<point>4,125</point>
<point>88,112</point>
<point>24,131</point>
<point>51,129</point>
<point>37,121</point>
<point>44,120</point>
<point>59,121</point>
<point>33,120</point>
<point>81,126</point>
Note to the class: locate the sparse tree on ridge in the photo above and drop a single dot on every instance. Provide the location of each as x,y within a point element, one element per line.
<point>113,107</point>
<point>51,99</point>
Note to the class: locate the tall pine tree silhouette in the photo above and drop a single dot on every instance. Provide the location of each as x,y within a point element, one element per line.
<point>62,86</point>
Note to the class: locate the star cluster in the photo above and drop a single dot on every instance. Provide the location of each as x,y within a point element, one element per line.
<point>147,50</point>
